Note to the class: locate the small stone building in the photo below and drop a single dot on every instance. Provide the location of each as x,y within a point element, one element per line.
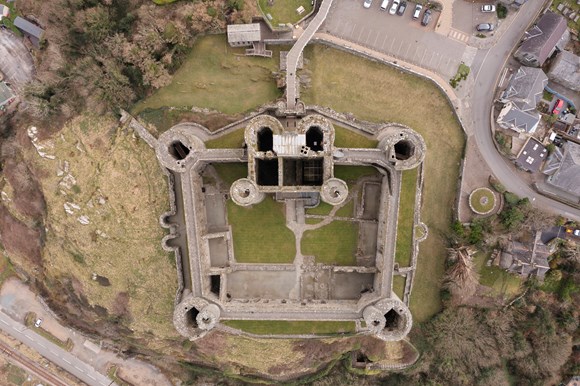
<point>32,31</point>
<point>244,35</point>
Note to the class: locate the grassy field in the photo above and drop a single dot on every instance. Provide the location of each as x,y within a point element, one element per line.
<point>352,173</point>
<point>347,210</point>
<point>323,209</point>
<point>284,11</point>
<point>399,285</point>
<point>348,83</point>
<point>265,327</point>
<point>405,223</point>
<point>230,172</point>
<point>348,138</point>
<point>216,76</point>
<point>233,140</point>
<point>260,234</point>
<point>334,243</point>
<point>501,282</point>
<point>121,190</point>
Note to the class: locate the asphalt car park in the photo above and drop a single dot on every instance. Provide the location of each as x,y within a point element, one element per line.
<point>467,15</point>
<point>399,36</point>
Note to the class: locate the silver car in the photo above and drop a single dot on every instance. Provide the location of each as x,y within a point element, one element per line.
<point>484,27</point>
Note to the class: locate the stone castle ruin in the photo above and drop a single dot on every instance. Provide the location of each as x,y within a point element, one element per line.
<point>290,155</point>
<point>291,158</point>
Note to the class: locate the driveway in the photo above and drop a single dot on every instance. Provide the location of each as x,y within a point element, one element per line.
<point>16,63</point>
<point>397,36</point>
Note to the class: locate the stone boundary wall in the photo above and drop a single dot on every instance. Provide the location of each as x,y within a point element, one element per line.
<point>459,190</point>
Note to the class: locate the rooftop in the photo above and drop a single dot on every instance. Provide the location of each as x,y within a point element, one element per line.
<point>526,87</point>
<point>532,155</point>
<point>566,70</point>
<point>511,117</point>
<point>244,33</point>
<point>567,175</point>
<point>6,94</point>
<point>544,36</point>
<point>526,259</point>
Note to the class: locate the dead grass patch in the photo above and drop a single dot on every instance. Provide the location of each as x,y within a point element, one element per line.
<point>121,192</point>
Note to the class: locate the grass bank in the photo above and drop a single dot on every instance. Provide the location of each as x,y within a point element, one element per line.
<point>219,77</point>
<point>278,327</point>
<point>363,88</point>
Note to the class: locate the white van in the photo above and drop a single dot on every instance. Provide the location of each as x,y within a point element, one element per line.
<point>384,5</point>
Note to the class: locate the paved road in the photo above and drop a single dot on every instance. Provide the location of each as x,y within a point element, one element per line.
<point>487,66</point>
<point>53,353</point>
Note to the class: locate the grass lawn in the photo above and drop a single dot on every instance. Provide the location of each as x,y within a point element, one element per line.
<point>277,327</point>
<point>348,138</point>
<point>333,244</point>
<point>232,140</point>
<point>399,285</point>
<point>214,76</point>
<point>345,83</point>
<point>347,210</point>
<point>230,172</point>
<point>405,223</point>
<point>284,11</point>
<point>260,234</point>
<point>9,21</point>
<point>353,173</point>
<point>322,209</point>
<point>501,282</point>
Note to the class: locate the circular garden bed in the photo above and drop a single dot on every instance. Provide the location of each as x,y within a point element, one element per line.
<point>482,201</point>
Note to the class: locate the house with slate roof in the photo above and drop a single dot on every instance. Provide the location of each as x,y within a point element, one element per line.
<point>526,259</point>
<point>540,42</point>
<point>563,169</point>
<point>520,99</point>
<point>566,70</point>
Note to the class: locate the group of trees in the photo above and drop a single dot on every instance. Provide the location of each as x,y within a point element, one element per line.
<point>105,54</point>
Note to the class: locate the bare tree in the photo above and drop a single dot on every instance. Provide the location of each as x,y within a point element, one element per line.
<point>461,279</point>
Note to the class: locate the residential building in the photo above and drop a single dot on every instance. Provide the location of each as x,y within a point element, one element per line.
<point>566,70</point>
<point>525,88</point>
<point>526,258</point>
<point>532,155</point>
<point>32,31</point>
<point>540,42</point>
<point>563,169</point>
<point>511,117</point>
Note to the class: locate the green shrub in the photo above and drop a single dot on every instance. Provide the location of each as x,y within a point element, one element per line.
<point>502,11</point>
<point>511,199</point>
<point>211,11</point>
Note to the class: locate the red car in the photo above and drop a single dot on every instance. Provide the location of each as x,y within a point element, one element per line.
<point>558,107</point>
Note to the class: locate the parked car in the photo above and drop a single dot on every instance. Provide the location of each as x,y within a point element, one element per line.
<point>394,7</point>
<point>37,322</point>
<point>558,107</point>
<point>384,5</point>
<point>367,3</point>
<point>417,11</point>
<point>577,232</point>
<point>488,8</point>
<point>426,17</point>
<point>484,27</point>
<point>402,8</point>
